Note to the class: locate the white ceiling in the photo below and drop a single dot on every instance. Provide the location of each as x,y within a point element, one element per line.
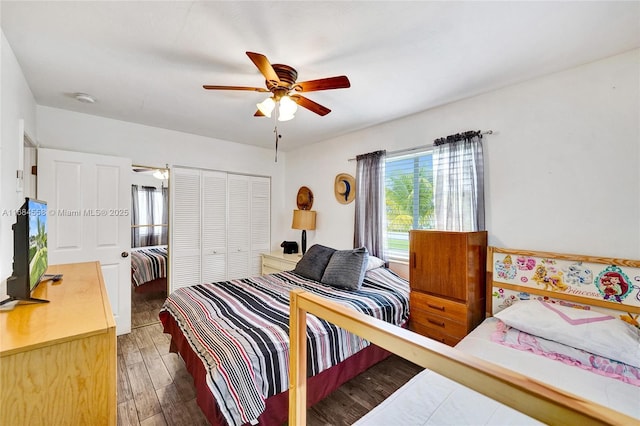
<point>146,62</point>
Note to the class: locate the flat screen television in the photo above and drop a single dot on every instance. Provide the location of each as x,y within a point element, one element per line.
<point>30,256</point>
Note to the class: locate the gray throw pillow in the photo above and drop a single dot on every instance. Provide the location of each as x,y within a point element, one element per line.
<point>314,262</point>
<point>346,268</point>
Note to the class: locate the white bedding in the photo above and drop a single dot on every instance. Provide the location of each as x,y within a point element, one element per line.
<point>431,399</point>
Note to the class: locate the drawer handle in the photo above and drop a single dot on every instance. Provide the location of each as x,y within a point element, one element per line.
<point>434,322</point>
<point>440,308</point>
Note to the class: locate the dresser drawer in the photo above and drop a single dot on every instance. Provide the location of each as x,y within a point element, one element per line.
<point>439,323</point>
<point>435,334</point>
<point>438,306</point>
<point>269,270</point>
<point>278,264</point>
<point>274,263</point>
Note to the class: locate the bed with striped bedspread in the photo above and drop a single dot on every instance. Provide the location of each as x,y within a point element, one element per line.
<point>240,331</point>
<point>148,264</point>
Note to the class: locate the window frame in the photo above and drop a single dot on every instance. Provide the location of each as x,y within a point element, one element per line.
<point>395,254</point>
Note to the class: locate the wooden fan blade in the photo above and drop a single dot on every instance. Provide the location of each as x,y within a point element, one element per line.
<point>252,89</point>
<point>264,66</point>
<point>340,82</point>
<point>310,105</point>
<point>258,114</point>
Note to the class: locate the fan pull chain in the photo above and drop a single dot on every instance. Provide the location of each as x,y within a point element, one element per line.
<point>275,127</point>
<point>278,136</point>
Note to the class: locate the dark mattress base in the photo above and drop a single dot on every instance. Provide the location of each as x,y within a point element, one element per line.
<point>156,286</point>
<point>276,412</point>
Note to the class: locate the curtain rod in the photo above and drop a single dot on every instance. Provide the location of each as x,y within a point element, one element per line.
<point>417,148</point>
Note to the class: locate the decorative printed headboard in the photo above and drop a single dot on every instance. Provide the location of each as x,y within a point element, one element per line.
<point>603,284</point>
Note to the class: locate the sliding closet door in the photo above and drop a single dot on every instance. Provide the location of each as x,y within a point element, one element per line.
<point>214,226</point>
<point>185,243</point>
<point>260,236</point>
<point>249,224</point>
<point>220,224</point>
<point>238,226</point>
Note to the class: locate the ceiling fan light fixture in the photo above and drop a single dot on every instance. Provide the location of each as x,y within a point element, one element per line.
<point>267,106</point>
<point>287,106</point>
<point>285,117</point>
<point>161,174</point>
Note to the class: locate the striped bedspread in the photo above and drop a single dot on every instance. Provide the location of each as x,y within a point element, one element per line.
<point>148,264</point>
<point>240,331</point>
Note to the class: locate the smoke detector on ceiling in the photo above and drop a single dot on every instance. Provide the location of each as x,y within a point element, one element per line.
<point>84,98</point>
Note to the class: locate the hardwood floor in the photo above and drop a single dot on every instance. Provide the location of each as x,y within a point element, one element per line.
<point>154,387</point>
<point>361,394</point>
<point>145,308</point>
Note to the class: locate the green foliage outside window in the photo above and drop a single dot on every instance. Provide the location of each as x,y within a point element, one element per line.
<point>409,199</point>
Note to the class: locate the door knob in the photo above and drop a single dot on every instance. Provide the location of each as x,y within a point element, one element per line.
<point>124,254</point>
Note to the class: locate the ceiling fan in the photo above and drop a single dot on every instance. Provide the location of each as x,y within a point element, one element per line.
<point>281,82</point>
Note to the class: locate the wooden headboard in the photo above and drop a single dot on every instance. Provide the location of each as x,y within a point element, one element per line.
<point>606,284</point>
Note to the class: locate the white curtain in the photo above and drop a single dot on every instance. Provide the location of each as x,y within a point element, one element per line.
<point>370,206</point>
<point>458,178</point>
<point>149,211</point>
<point>135,217</point>
<point>165,216</point>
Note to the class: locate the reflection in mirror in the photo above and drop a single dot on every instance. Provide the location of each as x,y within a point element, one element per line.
<point>149,243</point>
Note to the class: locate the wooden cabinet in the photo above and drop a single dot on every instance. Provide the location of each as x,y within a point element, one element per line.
<point>277,261</point>
<point>58,359</point>
<point>447,277</point>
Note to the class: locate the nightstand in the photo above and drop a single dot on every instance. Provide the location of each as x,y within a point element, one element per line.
<point>276,261</point>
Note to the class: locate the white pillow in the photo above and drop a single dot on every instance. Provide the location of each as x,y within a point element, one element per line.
<point>591,331</point>
<point>374,262</point>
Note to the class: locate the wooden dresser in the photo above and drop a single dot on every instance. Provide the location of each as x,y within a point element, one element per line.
<point>447,277</point>
<point>276,261</point>
<point>58,359</point>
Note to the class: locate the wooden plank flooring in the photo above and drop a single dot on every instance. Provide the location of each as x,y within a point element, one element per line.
<point>154,387</point>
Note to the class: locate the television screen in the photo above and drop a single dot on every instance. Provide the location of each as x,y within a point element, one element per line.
<point>38,258</point>
<point>30,255</point>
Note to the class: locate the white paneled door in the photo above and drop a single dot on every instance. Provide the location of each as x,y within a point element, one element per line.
<point>89,203</point>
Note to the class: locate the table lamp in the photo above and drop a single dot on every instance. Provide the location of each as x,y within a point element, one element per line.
<point>305,220</point>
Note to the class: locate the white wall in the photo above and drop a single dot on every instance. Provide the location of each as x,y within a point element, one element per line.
<point>17,117</point>
<point>562,170</point>
<point>152,146</point>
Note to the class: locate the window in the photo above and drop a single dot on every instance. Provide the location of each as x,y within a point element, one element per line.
<point>149,216</point>
<point>408,198</point>
<point>150,207</point>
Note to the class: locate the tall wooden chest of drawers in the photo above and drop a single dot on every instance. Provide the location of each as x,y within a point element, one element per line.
<point>447,276</point>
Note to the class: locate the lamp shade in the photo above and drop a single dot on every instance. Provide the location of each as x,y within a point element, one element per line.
<point>267,106</point>
<point>304,219</point>
<point>287,108</point>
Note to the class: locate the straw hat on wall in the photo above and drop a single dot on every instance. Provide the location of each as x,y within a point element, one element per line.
<point>344,188</point>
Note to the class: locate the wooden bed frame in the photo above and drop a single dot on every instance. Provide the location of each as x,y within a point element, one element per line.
<point>531,397</point>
